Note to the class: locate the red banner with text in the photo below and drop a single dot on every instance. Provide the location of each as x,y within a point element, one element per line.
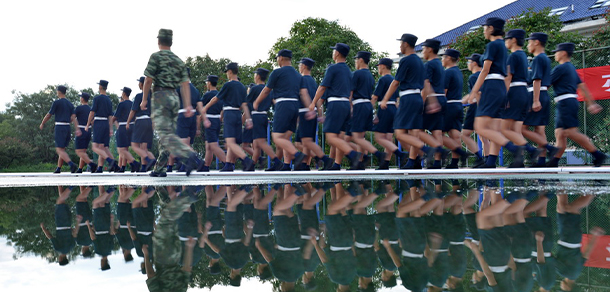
<point>597,80</point>
<point>600,257</point>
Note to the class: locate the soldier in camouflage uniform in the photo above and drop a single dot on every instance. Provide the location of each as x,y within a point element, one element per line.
<point>167,274</point>
<point>168,72</point>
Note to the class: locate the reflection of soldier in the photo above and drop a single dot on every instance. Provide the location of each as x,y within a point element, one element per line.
<point>214,224</point>
<point>121,227</point>
<point>167,275</point>
<point>261,231</point>
<point>386,223</point>
<point>143,219</point>
<point>101,231</point>
<point>308,217</point>
<point>189,226</point>
<point>63,242</point>
<point>82,209</point>
<point>541,225</point>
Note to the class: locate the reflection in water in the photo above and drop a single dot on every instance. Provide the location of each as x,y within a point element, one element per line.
<point>332,236</point>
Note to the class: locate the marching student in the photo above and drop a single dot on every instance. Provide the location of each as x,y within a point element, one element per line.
<point>454,111</point>
<point>123,134</point>
<point>102,128</point>
<point>186,127</point>
<point>474,66</point>
<point>81,143</point>
<point>214,114</point>
<point>142,132</point>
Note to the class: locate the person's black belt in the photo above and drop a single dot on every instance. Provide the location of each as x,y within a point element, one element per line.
<point>159,88</point>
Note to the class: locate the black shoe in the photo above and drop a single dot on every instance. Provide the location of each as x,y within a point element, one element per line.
<point>518,158</point>
<point>365,162</point>
<point>80,170</point>
<point>135,166</point>
<point>429,157</point>
<point>157,174</point>
<point>302,167</point>
<point>328,164</point>
<point>275,166</point>
<point>99,170</point>
<point>444,154</point>
<point>228,167</point>
<point>551,153</point>
<point>554,162</point>
<point>478,162</point>
<point>298,158</point>
<point>517,164</point>
<point>190,164</point>
<point>202,167</point>
<point>434,167</point>
<point>73,168</point>
<point>285,167</point>
<point>334,167</point>
<point>150,166</point>
<point>599,160</point>
<point>451,166</point>
<point>384,165</point>
<point>57,170</point>
<point>417,163</point>
<point>464,158</point>
<point>484,165</point>
<point>248,164</point>
<point>119,171</point>
<point>93,169</point>
<point>533,156</point>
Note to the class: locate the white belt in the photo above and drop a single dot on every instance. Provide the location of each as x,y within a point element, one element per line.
<point>61,124</point>
<point>184,110</point>
<point>569,245</point>
<point>498,269</point>
<point>215,232</point>
<point>232,240</point>
<point>260,235</point>
<point>454,101</point>
<point>82,224</point>
<point>362,245</point>
<point>258,113</point>
<point>288,248</point>
<point>213,116</point>
<point>122,123</point>
<point>513,84</point>
<point>456,242</point>
<point>546,254</point>
<point>308,237</point>
<point>100,119</point>
<point>411,255</point>
<point>542,88</point>
<point>393,242</point>
<point>101,232</point>
<point>391,102</point>
<point>436,94</point>
<point>494,76</point>
<point>440,250</point>
<point>331,99</point>
<point>230,108</point>
<point>303,110</point>
<point>144,233</point>
<point>409,91</point>
<point>123,226</point>
<point>278,100</point>
<point>565,96</point>
<point>63,228</point>
<point>186,238</point>
<point>142,117</point>
<point>522,261</point>
<point>337,248</point>
<point>360,100</point>
<point>81,126</point>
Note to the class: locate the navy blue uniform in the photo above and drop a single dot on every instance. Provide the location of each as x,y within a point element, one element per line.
<point>307,128</point>
<point>63,242</point>
<point>123,136</point>
<point>497,254</point>
<point>233,95</point>
<point>517,97</point>
<point>102,106</point>
<point>541,70</point>
<point>472,109</point>
<point>545,272</point>
<point>142,131</point>
<point>187,127</point>
<point>565,82</point>
<point>410,74</point>
<point>435,74</point>
<point>493,91</point>
<point>385,116</point>
<point>454,111</point>
<point>362,87</point>
<point>569,259</point>
<point>259,117</point>
<point>62,109</point>
<point>213,114</point>
<point>82,114</point>
<point>104,242</point>
<point>122,235</point>
<point>341,265</point>
<point>414,271</point>
<point>286,85</point>
<point>337,80</point>
<point>82,237</point>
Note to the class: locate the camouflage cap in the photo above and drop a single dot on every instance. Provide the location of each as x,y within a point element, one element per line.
<point>165,33</point>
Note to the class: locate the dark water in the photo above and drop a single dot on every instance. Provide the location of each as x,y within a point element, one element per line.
<point>392,235</point>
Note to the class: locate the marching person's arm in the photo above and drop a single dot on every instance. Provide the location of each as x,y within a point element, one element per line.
<point>187,261</point>
<point>508,79</point>
<point>46,231</point>
<point>319,250</point>
<point>150,272</point>
<point>596,232</point>
<point>246,111</point>
<point>75,230</point>
<point>146,88</point>
<point>486,270</point>
<point>91,230</point>
<point>319,93</point>
<point>264,93</point>
<point>266,254</point>
<point>44,120</point>
<point>392,253</point>
<point>132,114</point>
<point>592,106</point>
<point>132,233</point>
<point>475,92</point>
<point>388,94</point>
<point>75,122</point>
<point>185,91</point>
<point>540,248</point>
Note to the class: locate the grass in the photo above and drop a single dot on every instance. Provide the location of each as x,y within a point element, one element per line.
<point>40,167</point>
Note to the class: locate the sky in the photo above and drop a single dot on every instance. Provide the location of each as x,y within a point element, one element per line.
<point>80,42</point>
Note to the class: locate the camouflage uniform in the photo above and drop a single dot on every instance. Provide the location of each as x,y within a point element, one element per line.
<point>169,274</point>
<point>167,71</point>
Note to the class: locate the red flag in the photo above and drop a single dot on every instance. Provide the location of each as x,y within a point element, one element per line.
<point>598,81</point>
<point>600,257</point>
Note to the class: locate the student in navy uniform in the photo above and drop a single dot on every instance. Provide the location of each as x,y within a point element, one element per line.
<point>84,211</point>
<point>490,93</point>
<point>102,128</point>
<point>122,225</point>
<point>310,227</point>
<point>542,231</point>
<point>515,107</point>
<point>362,109</point>
<point>336,88</point>
<point>454,111</point>
<point>364,240</point>
<point>190,226</point>
<point>233,95</point>
<point>64,114</point>
<point>386,226</point>
<point>539,102</point>
<point>142,209</point>
<point>213,131</point>
<point>142,132</point>
<point>474,66</point>
<point>307,129</point>
<point>186,128</point>
<point>65,234</point>
<point>286,85</point>
<point>81,143</point>
<point>246,134</point>
<point>408,123</point>
<point>123,134</point>
<point>101,232</point>
<point>213,227</point>
<point>565,83</point>
<point>260,120</point>
<point>261,231</point>
<point>384,119</point>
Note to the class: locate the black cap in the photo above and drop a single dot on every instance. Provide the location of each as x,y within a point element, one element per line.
<point>127,90</point>
<point>390,282</point>
<point>85,96</point>
<point>409,39</point>
<point>230,66</point>
<point>285,53</point>
<point>212,78</point>
<point>62,89</point>
<point>266,273</point>
<point>568,47</point>
<point>366,56</point>
<point>342,48</point>
<point>262,72</point>
<point>432,43</point>
<point>141,80</point>
<point>539,36</point>
<point>496,22</point>
<point>386,61</point>
<point>451,53</point>
<point>475,58</point>
<point>515,33</point>
<point>103,83</point>
<point>235,282</point>
<point>307,62</point>
<point>215,269</point>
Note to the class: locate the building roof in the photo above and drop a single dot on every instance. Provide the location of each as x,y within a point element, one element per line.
<point>568,10</point>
